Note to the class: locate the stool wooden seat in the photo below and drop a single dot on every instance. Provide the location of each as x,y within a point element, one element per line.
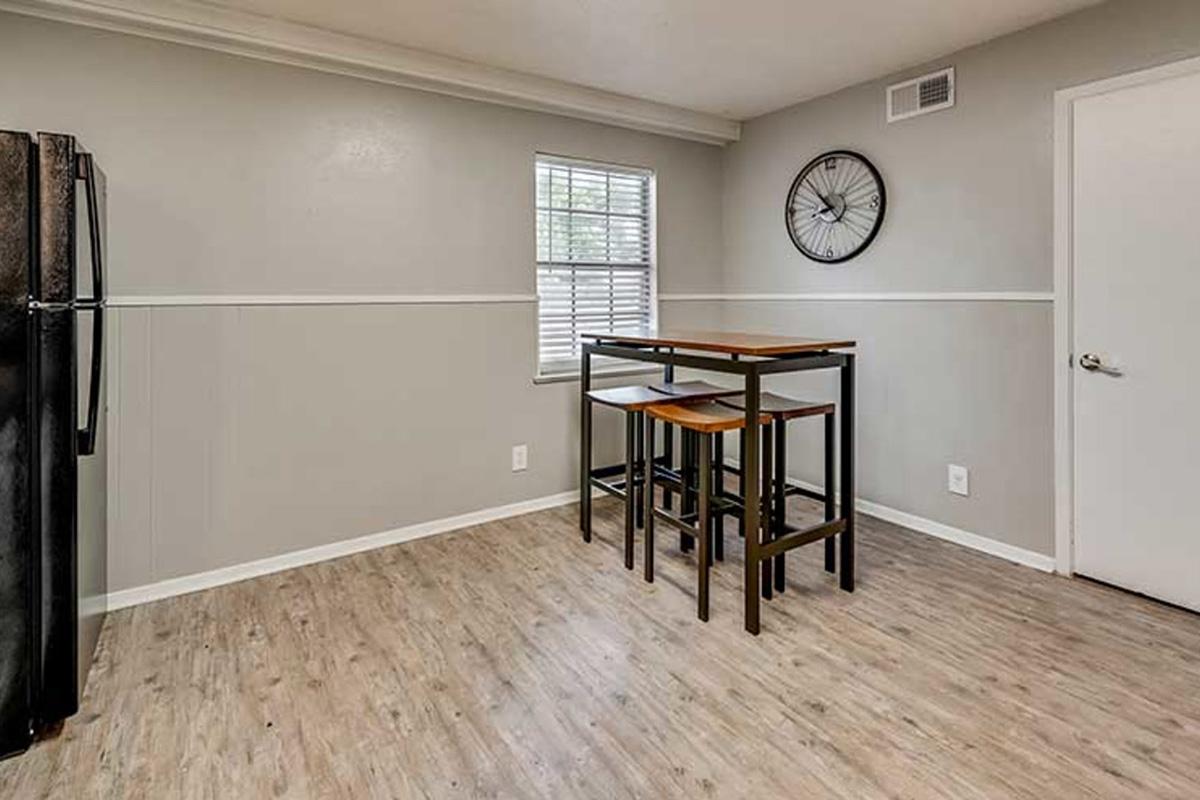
<point>778,406</point>
<point>707,421</point>
<point>628,398</point>
<point>707,417</point>
<point>634,400</point>
<point>781,409</point>
<point>638,398</point>
<point>693,389</point>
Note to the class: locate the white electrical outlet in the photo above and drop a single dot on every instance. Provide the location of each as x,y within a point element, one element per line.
<point>958,480</point>
<point>520,458</point>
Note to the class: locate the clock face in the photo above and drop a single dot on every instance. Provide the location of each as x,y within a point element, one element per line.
<point>835,207</point>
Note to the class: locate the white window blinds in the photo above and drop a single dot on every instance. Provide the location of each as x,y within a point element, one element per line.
<point>595,254</point>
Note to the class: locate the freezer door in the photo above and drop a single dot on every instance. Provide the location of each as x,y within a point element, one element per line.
<point>56,407</point>
<point>17,548</point>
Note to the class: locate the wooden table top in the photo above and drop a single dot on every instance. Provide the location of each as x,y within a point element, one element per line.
<point>746,344</point>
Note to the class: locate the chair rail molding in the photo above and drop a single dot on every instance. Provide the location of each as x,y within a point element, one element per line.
<point>178,300</point>
<point>867,297</point>
<point>268,39</point>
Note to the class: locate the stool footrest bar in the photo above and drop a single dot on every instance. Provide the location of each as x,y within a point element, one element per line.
<point>614,489</point>
<point>680,523</point>
<point>800,538</point>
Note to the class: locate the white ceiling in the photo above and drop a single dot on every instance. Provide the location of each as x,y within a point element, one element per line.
<point>732,58</point>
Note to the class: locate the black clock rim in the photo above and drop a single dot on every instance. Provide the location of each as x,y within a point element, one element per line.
<point>787,206</point>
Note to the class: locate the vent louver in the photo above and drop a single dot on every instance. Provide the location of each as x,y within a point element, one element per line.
<point>923,95</point>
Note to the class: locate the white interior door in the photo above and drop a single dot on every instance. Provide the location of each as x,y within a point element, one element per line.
<point>1136,269</point>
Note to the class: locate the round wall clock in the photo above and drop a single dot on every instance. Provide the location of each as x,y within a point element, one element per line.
<point>835,206</point>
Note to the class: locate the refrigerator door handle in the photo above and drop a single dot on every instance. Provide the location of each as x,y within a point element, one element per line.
<point>87,436</point>
<point>86,171</point>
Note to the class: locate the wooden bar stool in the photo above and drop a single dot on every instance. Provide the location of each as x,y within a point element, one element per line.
<point>688,449</point>
<point>781,409</point>
<point>634,400</point>
<point>708,421</point>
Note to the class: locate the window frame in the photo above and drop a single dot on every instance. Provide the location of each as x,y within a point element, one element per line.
<point>568,370</point>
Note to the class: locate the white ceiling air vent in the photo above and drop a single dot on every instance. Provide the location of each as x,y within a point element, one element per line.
<point>923,95</point>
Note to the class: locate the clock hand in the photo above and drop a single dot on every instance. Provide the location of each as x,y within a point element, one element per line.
<point>820,197</point>
<point>824,210</point>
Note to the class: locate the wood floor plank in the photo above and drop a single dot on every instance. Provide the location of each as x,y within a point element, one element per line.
<point>511,660</point>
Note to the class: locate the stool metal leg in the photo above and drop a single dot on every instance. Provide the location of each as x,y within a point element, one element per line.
<point>585,460</point>
<point>668,435</point>
<point>669,457</point>
<point>640,466</point>
<point>780,502</point>
<point>718,477</point>
<point>703,560</point>
<point>742,480</point>
<point>830,493</point>
<point>687,497</point>
<point>631,421</point>
<point>765,516</point>
<point>648,501</point>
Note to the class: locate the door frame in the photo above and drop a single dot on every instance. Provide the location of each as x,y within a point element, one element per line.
<point>1064,270</point>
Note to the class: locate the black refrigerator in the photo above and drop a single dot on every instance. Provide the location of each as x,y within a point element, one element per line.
<point>53,477</point>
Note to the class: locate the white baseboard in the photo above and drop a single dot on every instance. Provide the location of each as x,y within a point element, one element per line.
<point>949,533</point>
<point>265,566</point>
<point>938,530</point>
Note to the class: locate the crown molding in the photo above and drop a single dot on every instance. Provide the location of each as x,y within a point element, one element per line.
<point>269,39</point>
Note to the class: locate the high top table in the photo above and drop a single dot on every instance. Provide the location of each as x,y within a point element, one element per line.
<point>751,356</point>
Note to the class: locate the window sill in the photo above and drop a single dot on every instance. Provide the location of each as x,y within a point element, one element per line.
<point>618,372</point>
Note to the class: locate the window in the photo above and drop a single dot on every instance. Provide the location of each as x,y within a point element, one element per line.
<point>595,255</point>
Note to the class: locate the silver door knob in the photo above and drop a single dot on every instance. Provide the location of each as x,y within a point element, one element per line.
<point>1093,363</point>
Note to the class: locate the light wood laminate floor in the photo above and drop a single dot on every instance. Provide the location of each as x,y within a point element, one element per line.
<point>512,660</point>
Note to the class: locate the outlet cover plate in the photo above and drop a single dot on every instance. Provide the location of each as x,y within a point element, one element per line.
<point>958,480</point>
<point>520,458</point>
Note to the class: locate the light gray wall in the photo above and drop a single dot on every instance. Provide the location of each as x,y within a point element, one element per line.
<point>247,432</point>
<point>970,208</point>
<point>242,433</point>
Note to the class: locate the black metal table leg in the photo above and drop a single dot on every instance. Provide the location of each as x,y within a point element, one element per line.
<point>742,480</point>
<point>585,444</point>
<point>830,491</point>
<point>631,437</point>
<point>648,502</point>
<point>704,557</point>
<point>768,515</point>
<point>668,438</point>
<point>718,476</point>
<point>751,499</point>
<point>779,501</point>
<point>846,412</point>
